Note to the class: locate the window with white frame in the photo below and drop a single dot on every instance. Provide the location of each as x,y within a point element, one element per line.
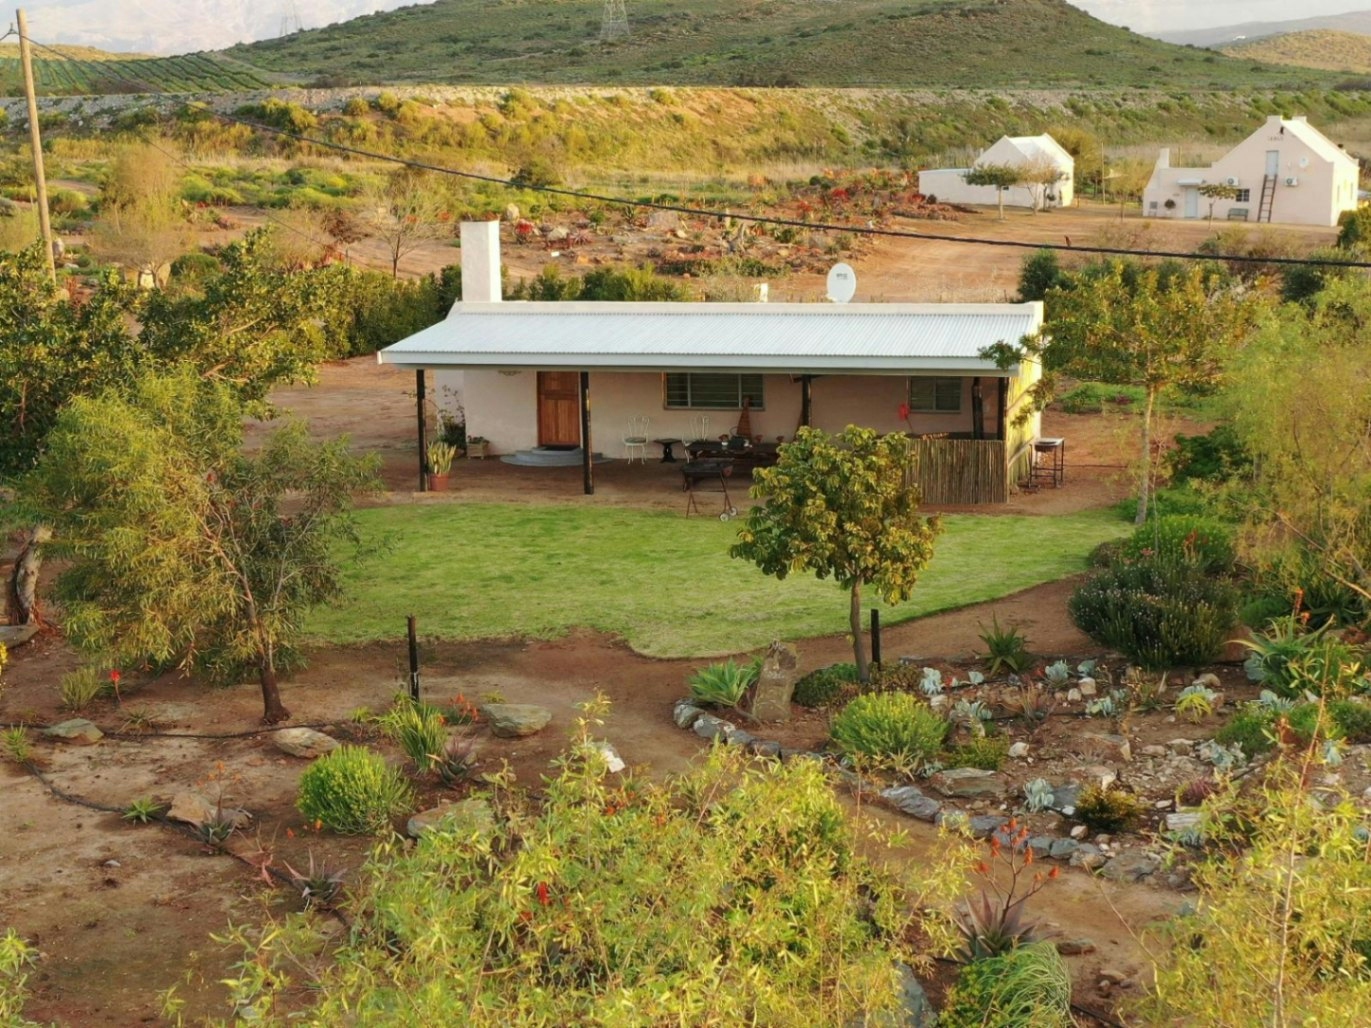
<point>935,395</point>
<point>691,390</point>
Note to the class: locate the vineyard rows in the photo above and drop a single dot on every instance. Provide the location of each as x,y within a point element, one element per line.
<point>188,73</point>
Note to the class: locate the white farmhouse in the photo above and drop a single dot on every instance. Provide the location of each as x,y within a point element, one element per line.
<point>1035,154</point>
<point>1286,171</point>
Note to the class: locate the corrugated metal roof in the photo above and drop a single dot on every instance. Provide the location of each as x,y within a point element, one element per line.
<point>866,338</point>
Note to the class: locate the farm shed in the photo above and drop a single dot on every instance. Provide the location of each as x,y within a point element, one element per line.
<point>1041,156</point>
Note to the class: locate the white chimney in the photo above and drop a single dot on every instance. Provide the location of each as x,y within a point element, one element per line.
<point>481,262</point>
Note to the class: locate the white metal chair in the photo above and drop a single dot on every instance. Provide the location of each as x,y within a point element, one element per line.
<point>635,441</point>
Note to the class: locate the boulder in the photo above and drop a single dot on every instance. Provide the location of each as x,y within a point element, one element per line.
<point>765,747</point>
<point>467,817</point>
<point>685,713</point>
<point>304,742</point>
<point>707,726</point>
<point>1019,750</point>
<point>967,782</point>
<point>78,730</point>
<point>515,720</point>
<point>1087,687</point>
<point>1132,866</point>
<point>1041,845</point>
<point>910,799</point>
<point>195,809</point>
<point>776,683</point>
<point>983,826</point>
<point>1089,857</point>
<point>613,762</point>
<point>1063,849</point>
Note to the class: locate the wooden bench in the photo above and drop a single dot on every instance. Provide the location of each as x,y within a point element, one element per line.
<point>1237,214</point>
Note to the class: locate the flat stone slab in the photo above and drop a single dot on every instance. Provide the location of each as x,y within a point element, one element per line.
<point>685,713</point>
<point>16,635</point>
<point>469,816</point>
<point>967,782</point>
<point>1107,746</point>
<point>1132,866</point>
<point>911,800</point>
<point>515,720</point>
<point>304,742</point>
<point>78,730</point>
<point>707,726</point>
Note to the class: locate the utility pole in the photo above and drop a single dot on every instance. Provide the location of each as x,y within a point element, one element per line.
<point>35,140</point>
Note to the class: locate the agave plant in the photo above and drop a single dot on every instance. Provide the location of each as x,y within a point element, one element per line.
<point>970,714</point>
<point>1057,674</point>
<point>1038,795</point>
<point>318,886</point>
<point>724,685</point>
<point>1196,702</point>
<point>931,682</point>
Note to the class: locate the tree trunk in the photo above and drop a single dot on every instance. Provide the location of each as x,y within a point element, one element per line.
<point>273,711</point>
<point>1145,478</point>
<point>21,599</point>
<point>1000,197</point>
<point>858,639</point>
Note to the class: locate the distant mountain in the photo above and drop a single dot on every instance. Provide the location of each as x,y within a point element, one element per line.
<point>184,26</point>
<point>1353,21</point>
<point>1316,48</point>
<point>1025,44</point>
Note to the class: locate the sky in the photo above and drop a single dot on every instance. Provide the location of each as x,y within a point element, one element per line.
<point>1173,15</point>
<point>180,26</point>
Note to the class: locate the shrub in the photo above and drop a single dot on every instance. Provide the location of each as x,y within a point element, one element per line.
<point>724,685</point>
<point>1352,718</point>
<point>750,900</point>
<point>354,791</point>
<point>1197,540</point>
<point>420,730</point>
<point>15,957</point>
<point>1158,613</point>
<point>824,685</point>
<point>1251,727</point>
<point>893,728</point>
<point>1215,457</point>
<point>1029,985</point>
<point>1171,500</point>
<point>1108,810</point>
<point>986,752</point>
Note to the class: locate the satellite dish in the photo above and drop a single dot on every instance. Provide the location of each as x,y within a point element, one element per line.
<point>842,283</point>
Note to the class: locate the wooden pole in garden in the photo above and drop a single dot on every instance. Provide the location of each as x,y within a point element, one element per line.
<point>587,447</point>
<point>36,141</point>
<point>423,430</point>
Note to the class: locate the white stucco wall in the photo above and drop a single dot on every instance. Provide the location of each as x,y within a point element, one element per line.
<point>1325,188</point>
<point>503,408</point>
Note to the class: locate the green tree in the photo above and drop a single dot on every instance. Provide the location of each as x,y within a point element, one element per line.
<point>1040,271</point>
<point>1152,327</point>
<point>255,324</point>
<point>1001,176</point>
<point>51,349</point>
<point>181,547</point>
<point>839,506</point>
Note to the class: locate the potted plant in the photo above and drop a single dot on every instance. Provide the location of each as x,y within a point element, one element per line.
<point>440,456</point>
<point>478,446</point>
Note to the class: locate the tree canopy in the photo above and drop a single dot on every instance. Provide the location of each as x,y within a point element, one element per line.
<point>180,547</point>
<point>839,506</point>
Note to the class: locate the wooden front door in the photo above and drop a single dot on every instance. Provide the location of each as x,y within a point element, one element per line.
<point>559,408</point>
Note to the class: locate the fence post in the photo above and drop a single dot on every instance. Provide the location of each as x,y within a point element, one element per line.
<point>413,661</point>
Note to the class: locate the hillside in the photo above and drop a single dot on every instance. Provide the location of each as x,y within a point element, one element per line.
<point>80,70</point>
<point>962,43</point>
<point>1316,48</point>
<point>1352,21</point>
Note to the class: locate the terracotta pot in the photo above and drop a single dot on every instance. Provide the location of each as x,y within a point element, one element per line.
<point>437,483</point>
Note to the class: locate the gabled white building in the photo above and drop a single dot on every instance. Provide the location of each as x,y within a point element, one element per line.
<point>1035,154</point>
<point>1287,171</point>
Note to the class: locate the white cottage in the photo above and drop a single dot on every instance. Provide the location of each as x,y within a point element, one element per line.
<point>526,372</point>
<point>1287,171</point>
<point>1041,155</point>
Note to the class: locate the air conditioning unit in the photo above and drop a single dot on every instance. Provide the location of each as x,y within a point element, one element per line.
<point>1230,181</point>
<point>1292,181</point>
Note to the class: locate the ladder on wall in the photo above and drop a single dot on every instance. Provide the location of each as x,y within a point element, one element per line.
<point>1268,198</point>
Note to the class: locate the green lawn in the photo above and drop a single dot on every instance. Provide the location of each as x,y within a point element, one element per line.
<point>664,583</point>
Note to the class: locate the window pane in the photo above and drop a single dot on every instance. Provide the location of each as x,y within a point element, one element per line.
<point>706,391</point>
<point>935,395</point>
<point>949,394</point>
